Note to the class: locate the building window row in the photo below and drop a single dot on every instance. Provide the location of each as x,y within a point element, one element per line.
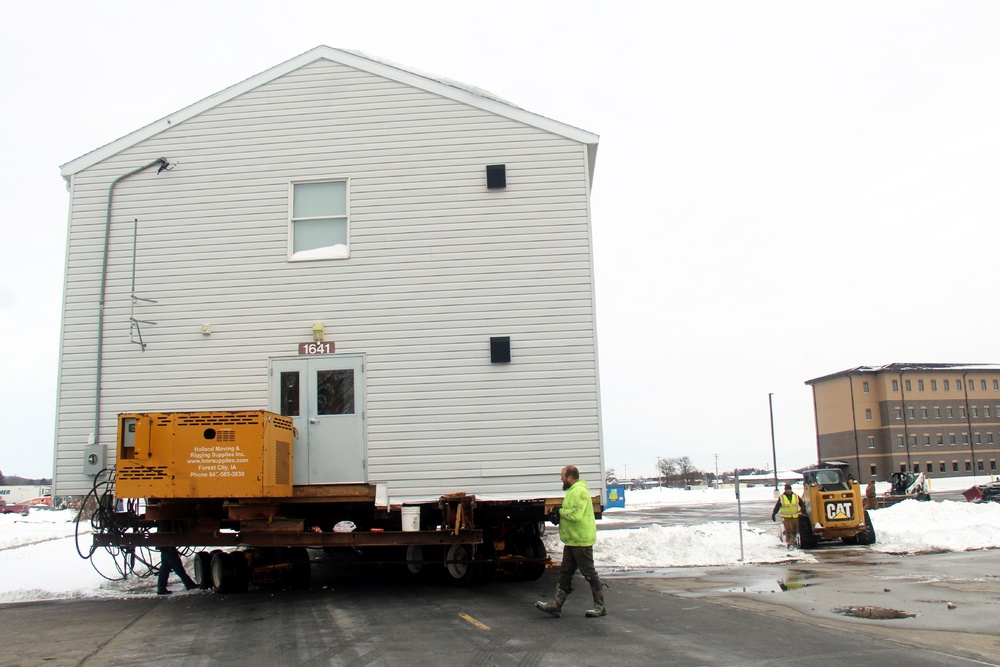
<point>949,412</point>
<point>942,466</point>
<point>977,439</point>
<point>946,384</point>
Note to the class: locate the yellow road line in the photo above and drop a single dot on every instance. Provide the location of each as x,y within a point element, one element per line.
<point>476,623</point>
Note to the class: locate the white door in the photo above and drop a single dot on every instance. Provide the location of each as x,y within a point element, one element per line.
<point>325,397</point>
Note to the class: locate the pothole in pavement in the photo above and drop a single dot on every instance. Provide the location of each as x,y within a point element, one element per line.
<point>876,613</point>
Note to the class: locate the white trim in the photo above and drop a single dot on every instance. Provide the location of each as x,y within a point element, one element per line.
<point>451,91</point>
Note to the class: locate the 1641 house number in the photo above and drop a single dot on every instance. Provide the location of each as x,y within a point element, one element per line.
<point>321,347</point>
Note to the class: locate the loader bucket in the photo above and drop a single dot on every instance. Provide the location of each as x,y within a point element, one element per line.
<point>973,495</point>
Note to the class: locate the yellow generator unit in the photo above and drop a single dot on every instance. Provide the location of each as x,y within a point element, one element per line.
<point>204,455</point>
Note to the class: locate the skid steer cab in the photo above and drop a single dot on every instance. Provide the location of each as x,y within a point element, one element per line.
<point>832,508</point>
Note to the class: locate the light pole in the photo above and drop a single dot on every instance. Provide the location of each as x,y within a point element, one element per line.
<point>774,451</point>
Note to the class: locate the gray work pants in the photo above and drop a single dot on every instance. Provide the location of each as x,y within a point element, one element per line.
<point>581,558</point>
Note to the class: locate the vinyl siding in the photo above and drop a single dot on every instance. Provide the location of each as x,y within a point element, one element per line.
<point>438,265</point>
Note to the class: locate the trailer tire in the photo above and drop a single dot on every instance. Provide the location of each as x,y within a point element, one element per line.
<point>241,572</point>
<point>422,562</point>
<point>223,573</point>
<point>512,569</point>
<point>203,569</point>
<point>534,549</point>
<point>459,568</point>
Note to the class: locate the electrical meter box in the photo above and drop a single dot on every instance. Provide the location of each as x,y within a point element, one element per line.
<point>204,455</point>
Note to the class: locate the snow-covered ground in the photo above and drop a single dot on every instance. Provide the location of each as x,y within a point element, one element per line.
<point>39,559</point>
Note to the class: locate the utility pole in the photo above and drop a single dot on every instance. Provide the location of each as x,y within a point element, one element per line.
<point>774,451</point>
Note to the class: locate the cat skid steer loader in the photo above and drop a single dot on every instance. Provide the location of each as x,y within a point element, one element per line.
<point>832,508</point>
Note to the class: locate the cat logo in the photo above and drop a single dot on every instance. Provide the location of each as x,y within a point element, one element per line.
<point>843,511</point>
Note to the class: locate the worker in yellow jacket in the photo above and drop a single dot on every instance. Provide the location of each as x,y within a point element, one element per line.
<point>789,505</point>
<point>578,532</point>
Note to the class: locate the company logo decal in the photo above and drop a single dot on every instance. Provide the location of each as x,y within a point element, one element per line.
<point>842,511</point>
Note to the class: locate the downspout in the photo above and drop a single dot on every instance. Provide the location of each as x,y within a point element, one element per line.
<point>968,421</point>
<point>163,164</point>
<point>854,424</point>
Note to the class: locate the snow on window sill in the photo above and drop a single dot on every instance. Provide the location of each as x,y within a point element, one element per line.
<point>339,251</point>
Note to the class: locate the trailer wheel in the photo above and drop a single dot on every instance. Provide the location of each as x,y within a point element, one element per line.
<point>535,549</point>
<point>512,569</point>
<point>459,568</point>
<point>241,572</point>
<point>418,565</point>
<point>867,537</point>
<point>223,573</point>
<point>203,569</point>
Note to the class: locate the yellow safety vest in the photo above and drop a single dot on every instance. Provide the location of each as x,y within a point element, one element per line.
<point>789,506</point>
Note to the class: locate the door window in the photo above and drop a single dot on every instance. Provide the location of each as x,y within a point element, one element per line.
<point>290,393</point>
<point>335,392</point>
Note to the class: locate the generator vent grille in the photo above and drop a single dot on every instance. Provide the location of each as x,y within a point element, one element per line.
<point>217,418</point>
<point>142,473</point>
<point>282,467</point>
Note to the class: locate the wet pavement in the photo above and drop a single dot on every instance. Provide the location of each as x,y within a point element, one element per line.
<point>930,600</point>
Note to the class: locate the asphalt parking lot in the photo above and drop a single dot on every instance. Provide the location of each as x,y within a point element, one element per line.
<point>691,616</point>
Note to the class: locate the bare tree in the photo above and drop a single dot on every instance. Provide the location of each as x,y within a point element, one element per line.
<point>687,470</point>
<point>667,469</point>
<point>609,476</point>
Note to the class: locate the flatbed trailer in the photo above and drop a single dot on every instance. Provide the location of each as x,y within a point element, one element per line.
<point>252,525</point>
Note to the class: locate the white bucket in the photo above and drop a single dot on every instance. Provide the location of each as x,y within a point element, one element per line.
<point>411,519</point>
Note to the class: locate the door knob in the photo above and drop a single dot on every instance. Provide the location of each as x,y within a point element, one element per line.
<point>313,420</point>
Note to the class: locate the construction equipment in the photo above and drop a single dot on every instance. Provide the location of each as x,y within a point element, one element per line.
<point>904,486</point>
<point>832,508</point>
<point>983,493</point>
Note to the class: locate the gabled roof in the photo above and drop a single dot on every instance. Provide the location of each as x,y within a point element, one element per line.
<point>906,368</point>
<point>446,88</point>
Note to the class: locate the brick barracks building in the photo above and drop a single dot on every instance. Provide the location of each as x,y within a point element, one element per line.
<point>939,419</point>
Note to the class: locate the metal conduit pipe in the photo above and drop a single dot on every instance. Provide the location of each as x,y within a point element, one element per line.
<point>163,164</point>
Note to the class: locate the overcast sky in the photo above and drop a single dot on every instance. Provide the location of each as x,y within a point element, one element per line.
<point>783,189</point>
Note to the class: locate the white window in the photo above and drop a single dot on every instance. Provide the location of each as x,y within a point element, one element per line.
<point>866,387</point>
<point>868,414</point>
<point>871,442</point>
<point>318,222</point>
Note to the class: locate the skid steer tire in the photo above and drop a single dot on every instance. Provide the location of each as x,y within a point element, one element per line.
<point>867,537</point>
<point>805,539</point>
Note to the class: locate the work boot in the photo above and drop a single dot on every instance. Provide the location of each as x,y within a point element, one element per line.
<point>555,606</point>
<point>165,591</point>
<point>599,609</point>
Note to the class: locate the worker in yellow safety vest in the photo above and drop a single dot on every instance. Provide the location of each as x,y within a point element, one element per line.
<point>789,505</point>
